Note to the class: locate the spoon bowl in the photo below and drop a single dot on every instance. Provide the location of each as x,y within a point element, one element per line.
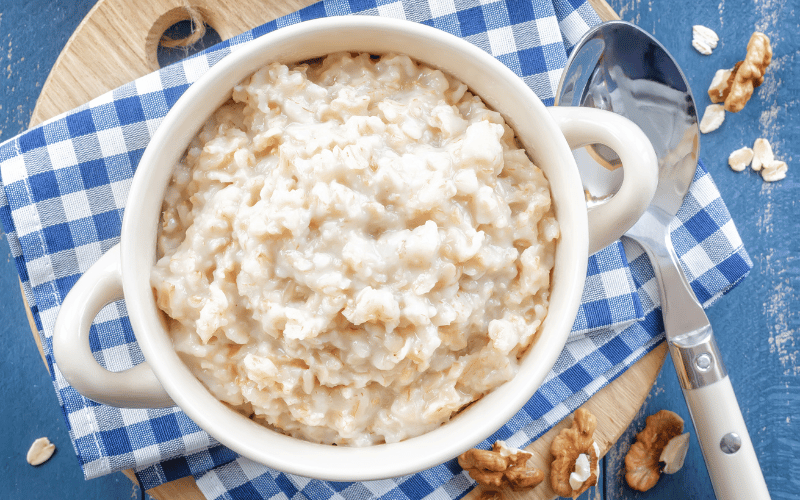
<point>619,67</point>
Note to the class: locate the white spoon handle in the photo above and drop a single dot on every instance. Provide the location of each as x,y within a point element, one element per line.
<point>725,442</point>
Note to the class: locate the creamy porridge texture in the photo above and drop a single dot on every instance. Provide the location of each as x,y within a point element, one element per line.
<point>353,250</point>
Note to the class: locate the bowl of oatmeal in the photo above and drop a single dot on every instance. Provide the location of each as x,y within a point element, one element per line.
<point>363,257</point>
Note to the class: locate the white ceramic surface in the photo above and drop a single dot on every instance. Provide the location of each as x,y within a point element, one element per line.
<point>548,135</point>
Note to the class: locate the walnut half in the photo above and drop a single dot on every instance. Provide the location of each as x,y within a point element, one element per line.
<point>500,468</point>
<point>642,463</point>
<point>571,449</point>
<point>749,74</point>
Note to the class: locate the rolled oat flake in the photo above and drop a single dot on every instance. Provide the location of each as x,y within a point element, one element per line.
<point>40,451</point>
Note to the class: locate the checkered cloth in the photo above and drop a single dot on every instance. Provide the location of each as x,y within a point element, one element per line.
<point>64,188</point>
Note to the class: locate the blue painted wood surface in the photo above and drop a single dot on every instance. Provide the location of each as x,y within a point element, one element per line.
<point>756,323</point>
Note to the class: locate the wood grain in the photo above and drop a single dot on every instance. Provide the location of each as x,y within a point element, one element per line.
<point>604,10</point>
<point>90,66</point>
<point>116,43</point>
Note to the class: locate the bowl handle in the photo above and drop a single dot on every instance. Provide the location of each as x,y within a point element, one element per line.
<point>136,387</point>
<point>584,126</point>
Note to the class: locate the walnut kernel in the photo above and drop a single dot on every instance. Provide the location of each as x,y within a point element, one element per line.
<point>750,73</point>
<point>490,495</point>
<point>501,467</point>
<point>720,85</point>
<point>567,448</point>
<point>642,465</point>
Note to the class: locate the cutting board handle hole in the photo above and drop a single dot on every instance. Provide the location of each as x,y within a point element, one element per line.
<point>178,34</point>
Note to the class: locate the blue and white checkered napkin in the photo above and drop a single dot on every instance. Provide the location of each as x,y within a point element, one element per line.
<point>64,188</point>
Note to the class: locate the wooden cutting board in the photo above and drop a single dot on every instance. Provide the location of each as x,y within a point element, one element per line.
<point>116,43</point>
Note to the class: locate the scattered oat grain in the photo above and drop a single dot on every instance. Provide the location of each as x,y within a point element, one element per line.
<point>704,39</point>
<point>740,159</point>
<point>40,451</point>
<point>762,154</point>
<point>713,117</point>
<point>774,171</point>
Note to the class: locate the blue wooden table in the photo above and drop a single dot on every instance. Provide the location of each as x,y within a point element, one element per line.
<point>756,323</point>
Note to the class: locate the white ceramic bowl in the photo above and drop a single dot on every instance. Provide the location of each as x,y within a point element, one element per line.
<point>546,133</point>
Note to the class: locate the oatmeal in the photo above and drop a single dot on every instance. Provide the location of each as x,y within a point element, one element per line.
<point>353,250</point>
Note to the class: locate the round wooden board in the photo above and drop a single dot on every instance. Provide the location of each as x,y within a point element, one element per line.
<point>116,43</point>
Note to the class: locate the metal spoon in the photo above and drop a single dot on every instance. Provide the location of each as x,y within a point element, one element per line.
<point>621,68</point>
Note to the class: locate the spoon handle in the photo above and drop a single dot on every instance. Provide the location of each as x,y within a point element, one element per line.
<point>727,449</point>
